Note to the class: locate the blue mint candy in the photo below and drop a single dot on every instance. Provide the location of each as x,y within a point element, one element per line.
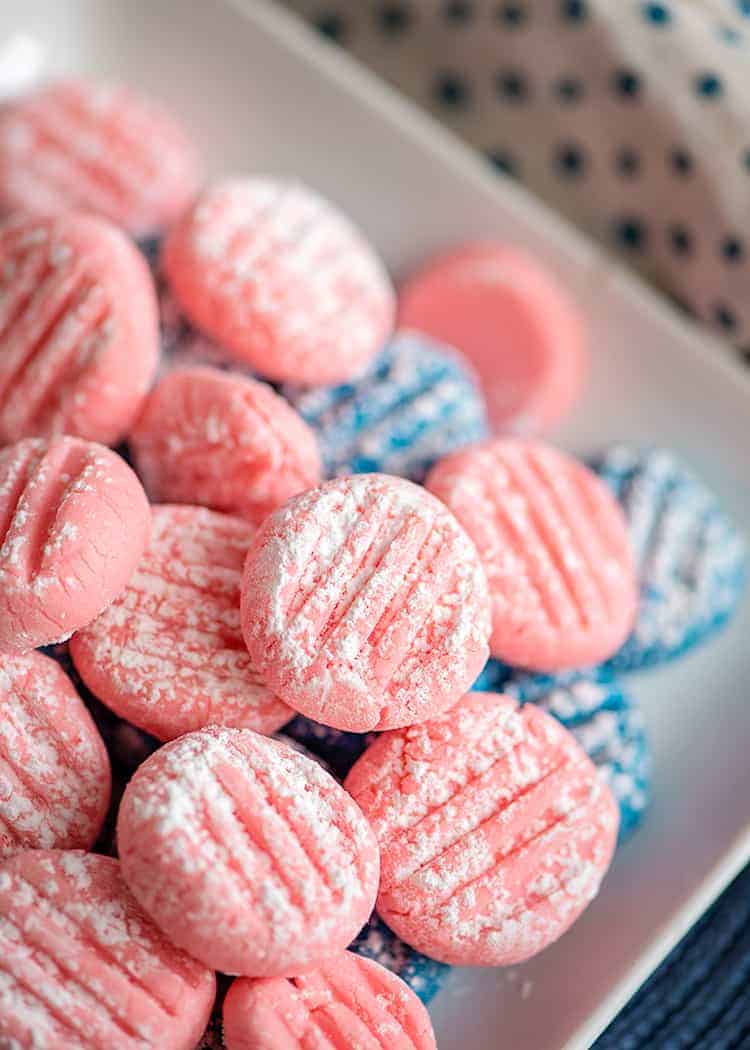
<point>692,562</point>
<point>424,976</point>
<point>608,725</point>
<point>417,402</point>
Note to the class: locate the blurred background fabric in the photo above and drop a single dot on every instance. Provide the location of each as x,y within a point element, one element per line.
<point>631,118</point>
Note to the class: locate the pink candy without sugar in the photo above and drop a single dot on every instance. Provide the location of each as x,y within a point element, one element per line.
<point>347,1002</point>
<point>83,967</point>
<point>78,329</point>
<point>283,280</point>
<point>364,605</point>
<point>168,653</point>
<point>512,321</point>
<point>54,769</point>
<point>224,441</point>
<point>495,830</point>
<point>554,544</point>
<point>247,854</point>
<point>74,521</point>
<point>74,144</point>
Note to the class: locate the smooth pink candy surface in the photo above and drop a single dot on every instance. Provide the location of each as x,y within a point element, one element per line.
<point>74,521</point>
<point>247,854</point>
<point>554,545</point>
<point>84,968</point>
<point>79,334</point>
<point>103,148</point>
<point>167,654</point>
<point>224,441</point>
<point>364,605</point>
<point>347,1002</point>
<point>54,770</point>
<point>494,828</point>
<point>282,279</point>
<point>515,324</point>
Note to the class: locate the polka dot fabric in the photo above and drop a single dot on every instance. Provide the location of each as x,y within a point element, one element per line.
<point>632,118</point>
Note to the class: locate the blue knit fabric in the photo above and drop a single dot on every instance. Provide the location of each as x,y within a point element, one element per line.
<point>692,562</point>
<point>416,403</point>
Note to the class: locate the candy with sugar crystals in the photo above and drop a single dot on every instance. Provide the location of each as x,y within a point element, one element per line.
<point>247,854</point>
<point>78,329</point>
<point>417,402</point>
<point>555,548</point>
<point>271,271</point>
<point>103,148</point>
<point>691,561</point>
<point>494,828</point>
<point>83,967</point>
<point>364,605</point>
<point>54,769</point>
<point>168,654</point>
<point>74,521</point>
<point>347,1002</point>
<point>224,441</point>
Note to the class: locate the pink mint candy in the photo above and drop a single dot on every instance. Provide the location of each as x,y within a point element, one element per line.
<point>247,854</point>
<point>167,654</point>
<point>513,322</point>
<point>225,441</point>
<point>283,280</point>
<point>103,148</point>
<point>494,827</point>
<point>554,545</point>
<point>54,770</point>
<point>83,967</point>
<point>78,329</point>
<point>74,521</point>
<point>347,1002</point>
<point>364,605</point>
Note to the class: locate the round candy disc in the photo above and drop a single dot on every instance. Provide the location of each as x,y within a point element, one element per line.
<point>54,769</point>
<point>364,605</point>
<point>74,521</point>
<point>494,827</point>
<point>348,1002</point>
<point>555,548</point>
<point>278,276</point>
<point>75,144</point>
<point>84,968</point>
<point>78,329</point>
<point>168,654</point>
<point>246,853</point>
<point>514,324</point>
<point>224,441</point>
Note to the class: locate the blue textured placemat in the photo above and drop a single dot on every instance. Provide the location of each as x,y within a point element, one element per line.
<point>700,995</point>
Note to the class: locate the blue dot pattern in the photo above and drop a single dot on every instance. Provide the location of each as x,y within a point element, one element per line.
<point>417,403</point>
<point>691,561</point>
<point>607,724</point>
<point>424,976</point>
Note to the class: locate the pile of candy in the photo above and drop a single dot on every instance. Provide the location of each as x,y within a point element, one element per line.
<point>432,616</point>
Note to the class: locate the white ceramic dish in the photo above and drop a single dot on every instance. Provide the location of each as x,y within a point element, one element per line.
<point>262,94</point>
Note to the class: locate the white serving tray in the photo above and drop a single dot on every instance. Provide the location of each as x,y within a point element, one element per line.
<point>263,94</point>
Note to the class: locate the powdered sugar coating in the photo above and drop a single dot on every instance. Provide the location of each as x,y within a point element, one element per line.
<point>78,329</point>
<point>74,521</point>
<point>54,770</point>
<point>246,853</point>
<point>224,441</point>
<point>348,1003</point>
<point>279,277</point>
<point>495,830</point>
<point>555,548</point>
<point>82,966</point>
<point>364,605</point>
<point>168,653</point>
<point>102,148</point>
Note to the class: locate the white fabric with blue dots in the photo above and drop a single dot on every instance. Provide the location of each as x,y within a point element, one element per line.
<point>632,118</point>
